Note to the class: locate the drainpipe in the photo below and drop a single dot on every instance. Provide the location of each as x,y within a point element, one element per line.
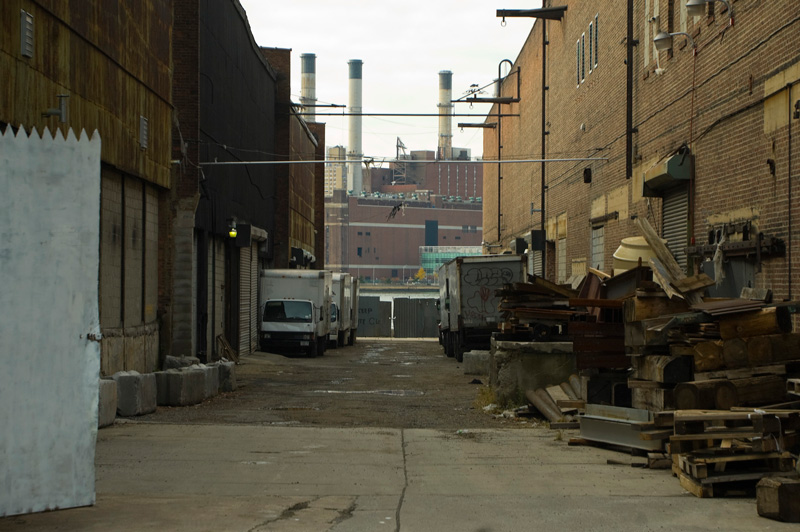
<point>544,136</point>
<point>629,96</point>
<point>789,186</point>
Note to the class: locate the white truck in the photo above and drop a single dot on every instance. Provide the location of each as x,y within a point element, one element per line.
<point>468,313</point>
<point>295,310</point>
<point>341,310</point>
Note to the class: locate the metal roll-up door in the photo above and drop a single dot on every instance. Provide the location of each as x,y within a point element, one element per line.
<point>245,306</point>
<point>254,297</point>
<point>675,221</point>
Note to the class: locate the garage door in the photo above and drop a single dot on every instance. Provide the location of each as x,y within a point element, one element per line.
<point>675,221</point>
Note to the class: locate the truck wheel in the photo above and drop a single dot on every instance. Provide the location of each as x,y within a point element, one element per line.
<point>320,349</point>
<point>459,350</point>
<point>352,338</point>
<point>340,339</point>
<point>448,345</point>
<point>312,350</point>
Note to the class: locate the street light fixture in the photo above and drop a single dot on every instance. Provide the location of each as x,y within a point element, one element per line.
<point>663,40</point>
<point>697,8</point>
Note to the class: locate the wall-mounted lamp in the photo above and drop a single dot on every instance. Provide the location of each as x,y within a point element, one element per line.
<point>232,232</point>
<point>62,111</point>
<point>663,40</point>
<point>697,8</point>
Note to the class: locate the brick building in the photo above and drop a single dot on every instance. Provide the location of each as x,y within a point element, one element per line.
<point>232,105</point>
<point>111,64</point>
<point>697,140</point>
<point>379,237</point>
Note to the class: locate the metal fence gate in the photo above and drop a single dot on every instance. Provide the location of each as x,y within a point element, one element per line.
<point>415,318</point>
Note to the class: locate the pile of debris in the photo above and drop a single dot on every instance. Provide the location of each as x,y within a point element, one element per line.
<point>718,452</point>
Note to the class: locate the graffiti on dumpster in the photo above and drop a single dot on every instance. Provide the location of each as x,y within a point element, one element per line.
<point>483,282</point>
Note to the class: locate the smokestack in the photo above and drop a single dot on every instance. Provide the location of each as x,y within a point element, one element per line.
<point>445,115</point>
<point>308,85</point>
<point>355,175</point>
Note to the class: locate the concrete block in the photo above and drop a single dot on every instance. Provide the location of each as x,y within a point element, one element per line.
<point>211,374</point>
<point>516,367</point>
<point>136,393</point>
<point>162,387</point>
<point>185,387</point>
<point>476,362</point>
<point>171,362</point>
<point>227,375</point>
<point>107,406</point>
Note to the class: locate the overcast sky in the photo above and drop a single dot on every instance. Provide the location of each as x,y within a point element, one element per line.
<point>404,45</point>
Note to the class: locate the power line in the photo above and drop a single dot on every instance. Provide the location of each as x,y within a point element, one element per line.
<point>415,161</point>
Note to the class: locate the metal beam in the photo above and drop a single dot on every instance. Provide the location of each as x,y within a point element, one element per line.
<point>549,13</point>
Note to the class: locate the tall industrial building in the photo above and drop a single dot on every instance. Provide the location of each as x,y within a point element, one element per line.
<point>335,172</point>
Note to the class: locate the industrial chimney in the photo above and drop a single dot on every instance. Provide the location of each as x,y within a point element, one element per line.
<point>445,115</point>
<point>308,85</point>
<point>354,174</point>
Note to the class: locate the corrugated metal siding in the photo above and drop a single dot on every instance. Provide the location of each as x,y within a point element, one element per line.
<point>253,296</point>
<point>675,216</point>
<point>415,318</point>
<point>245,308</point>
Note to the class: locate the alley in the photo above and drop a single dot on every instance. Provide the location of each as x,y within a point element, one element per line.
<point>384,435</point>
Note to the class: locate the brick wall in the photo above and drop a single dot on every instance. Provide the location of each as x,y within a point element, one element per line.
<point>723,103</point>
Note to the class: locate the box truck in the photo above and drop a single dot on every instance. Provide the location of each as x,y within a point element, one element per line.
<point>468,313</point>
<point>341,310</point>
<point>295,310</point>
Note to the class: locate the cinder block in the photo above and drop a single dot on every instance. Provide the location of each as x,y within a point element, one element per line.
<point>136,393</point>
<point>171,362</point>
<point>185,387</point>
<point>107,407</point>
<point>227,375</point>
<point>476,362</point>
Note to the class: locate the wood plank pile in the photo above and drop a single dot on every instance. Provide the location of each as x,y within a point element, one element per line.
<point>696,360</point>
<point>721,452</point>
<point>538,310</point>
<point>691,353</point>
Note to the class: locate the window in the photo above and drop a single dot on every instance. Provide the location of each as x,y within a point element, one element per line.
<point>578,62</point>
<point>598,244</point>
<point>596,33</point>
<point>358,251</point>
<point>368,234</point>
<point>561,260</point>
<point>359,233</point>
<point>583,57</point>
<point>591,42</point>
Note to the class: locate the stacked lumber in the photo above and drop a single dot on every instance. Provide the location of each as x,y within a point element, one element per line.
<point>715,451</point>
<point>538,310</point>
<point>655,370</point>
<point>714,355</point>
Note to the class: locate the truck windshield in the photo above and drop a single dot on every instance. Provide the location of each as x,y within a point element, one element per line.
<point>294,311</point>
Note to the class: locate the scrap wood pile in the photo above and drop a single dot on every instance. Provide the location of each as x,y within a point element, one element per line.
<point>719,452</point>
<point>538,310</point>
<point>691,353</point>
<point>541,311</point>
